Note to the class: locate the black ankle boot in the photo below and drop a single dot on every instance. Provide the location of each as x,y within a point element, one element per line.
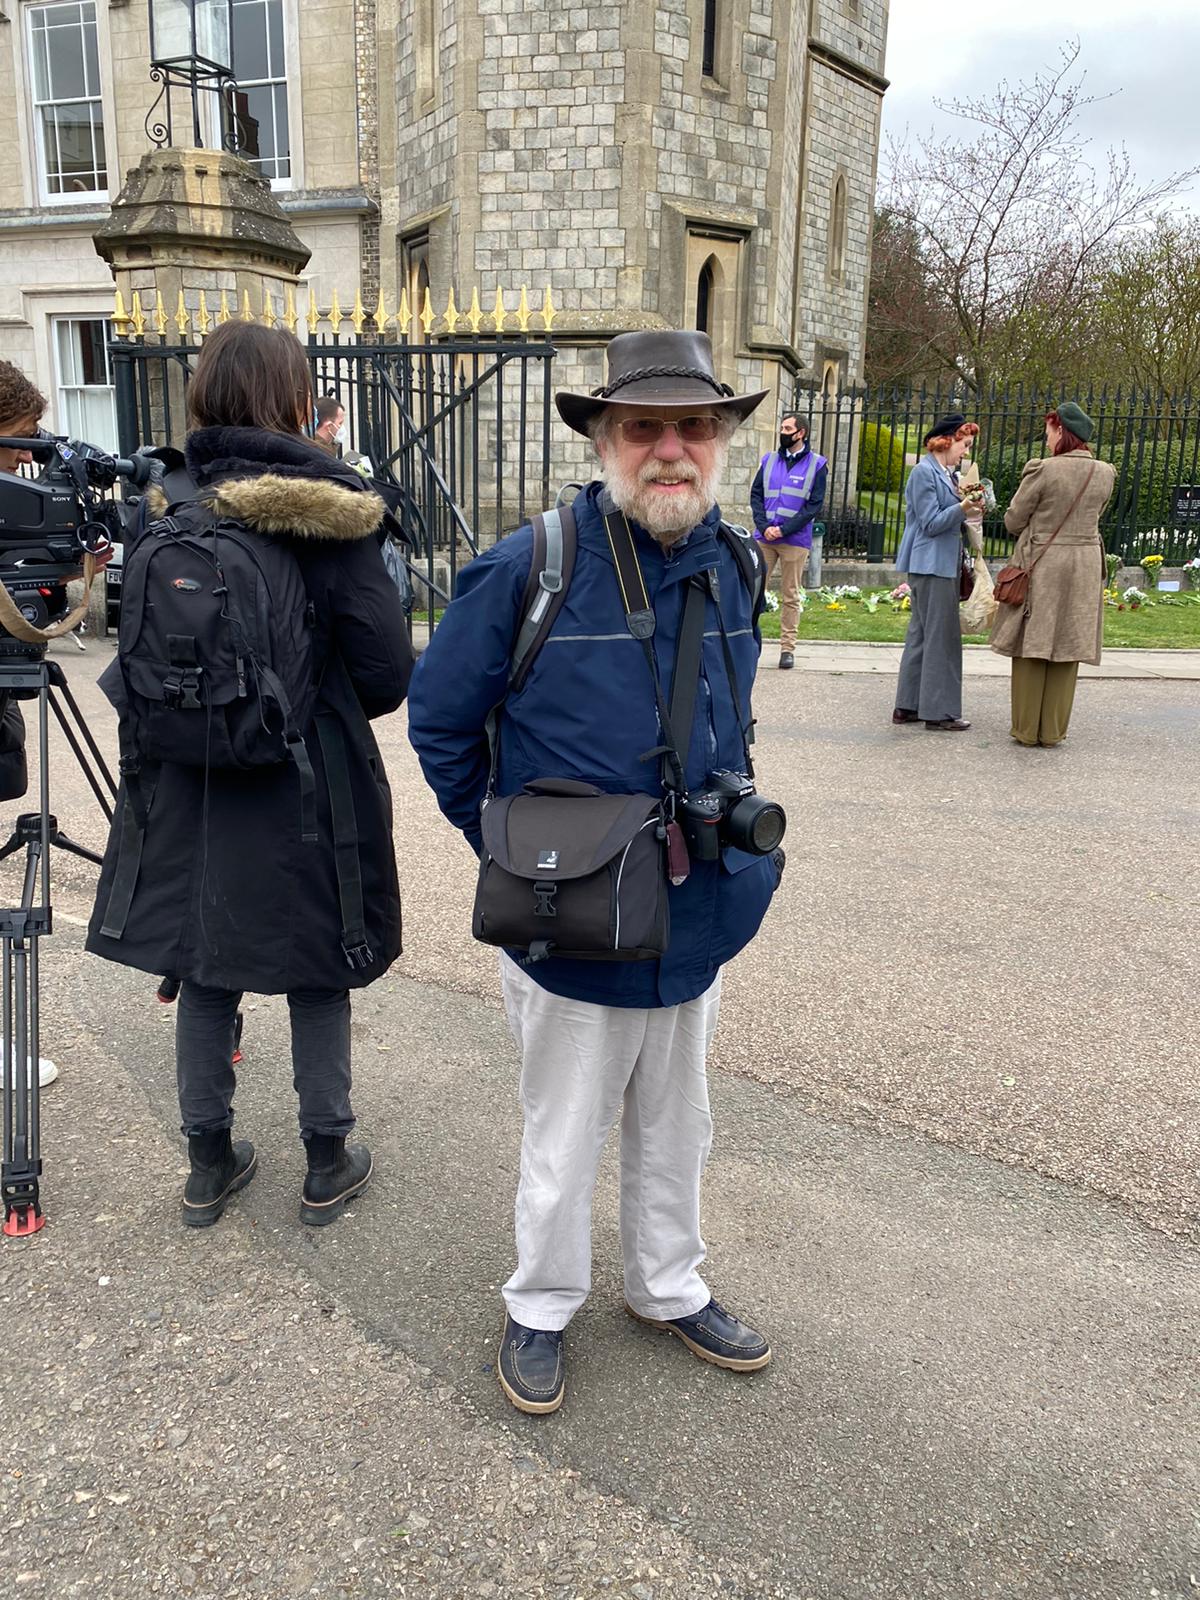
<point>336,1173</point>
<point>219,1169</point>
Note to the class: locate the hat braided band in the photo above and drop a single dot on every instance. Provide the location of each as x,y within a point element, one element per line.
<point>638,373</point>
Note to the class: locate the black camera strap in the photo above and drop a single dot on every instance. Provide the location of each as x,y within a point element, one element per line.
<point>641,622</point>
<point>746,729</point>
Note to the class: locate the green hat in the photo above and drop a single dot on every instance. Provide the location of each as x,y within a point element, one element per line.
<point>1075,420</point>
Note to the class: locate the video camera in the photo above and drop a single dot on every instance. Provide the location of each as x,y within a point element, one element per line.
<point>49,523</point>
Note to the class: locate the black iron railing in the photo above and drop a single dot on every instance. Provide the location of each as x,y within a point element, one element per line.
<point>459,428</point>
<point>873,437</point>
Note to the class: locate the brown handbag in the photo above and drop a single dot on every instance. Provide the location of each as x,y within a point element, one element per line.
<point>1012,583</point>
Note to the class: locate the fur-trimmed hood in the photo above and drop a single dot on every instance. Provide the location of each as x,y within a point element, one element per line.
<point>276,484</point>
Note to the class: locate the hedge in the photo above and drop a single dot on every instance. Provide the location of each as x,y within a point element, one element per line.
<point>880,459</point>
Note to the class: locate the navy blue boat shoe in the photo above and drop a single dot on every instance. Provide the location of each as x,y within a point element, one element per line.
<point>532,1368</point>
<point>715,1335</point>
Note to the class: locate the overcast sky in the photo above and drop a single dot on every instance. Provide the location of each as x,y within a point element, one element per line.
<point>1146,56</point>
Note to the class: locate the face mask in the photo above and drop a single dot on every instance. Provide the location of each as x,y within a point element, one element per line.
<point>789,442</point>
<point>342,436</point>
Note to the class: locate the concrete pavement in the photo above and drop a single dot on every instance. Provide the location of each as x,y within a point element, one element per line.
<point>817,655</point>
<point>956,1178</point>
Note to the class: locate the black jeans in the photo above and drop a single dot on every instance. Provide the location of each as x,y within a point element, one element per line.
<point>320,1058</point>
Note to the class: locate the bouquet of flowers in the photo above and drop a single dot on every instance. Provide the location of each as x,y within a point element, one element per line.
<point>1191,570</point>
<point>1150,566</point>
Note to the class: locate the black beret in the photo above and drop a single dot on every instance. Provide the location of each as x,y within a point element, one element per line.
<point>945,428</point>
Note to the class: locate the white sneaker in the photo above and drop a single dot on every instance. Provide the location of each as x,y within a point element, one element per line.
<point>47,1072</point>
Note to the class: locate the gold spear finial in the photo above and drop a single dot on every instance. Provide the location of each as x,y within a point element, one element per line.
<point>335,314</point>
<point>404,315</point>
<point>268,315</point>
<point>203,321</point>
<point>120,316</point>
<point>548,311</point>
<point>358,316</point>
<point>223,313</point>
<point>247,314</point>
<point>314,315</point>
<point>160,315</point>
<point>380,313</point>
<point>289,318</point>
<point>452,314</point>
<point>475,315</point>
<point>138,319</point>
<point>498,312</point>
<point>181,317</point>
<point>427,317</point>
<point>523,311</point>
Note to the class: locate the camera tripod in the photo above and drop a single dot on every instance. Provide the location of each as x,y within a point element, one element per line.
<point>24,669</point>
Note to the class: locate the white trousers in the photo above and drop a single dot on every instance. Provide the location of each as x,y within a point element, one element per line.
<point>582,1065</point>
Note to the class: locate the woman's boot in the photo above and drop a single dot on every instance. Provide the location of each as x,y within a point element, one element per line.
<point>219,1169</point>
<point>336,1173</point>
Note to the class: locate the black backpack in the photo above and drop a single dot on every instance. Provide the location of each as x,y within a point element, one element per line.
<point>215,645</point>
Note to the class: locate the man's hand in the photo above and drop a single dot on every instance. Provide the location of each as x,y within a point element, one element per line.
<point>772,533</point>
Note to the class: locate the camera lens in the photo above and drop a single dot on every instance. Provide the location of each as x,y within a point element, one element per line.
<point>755,825</point>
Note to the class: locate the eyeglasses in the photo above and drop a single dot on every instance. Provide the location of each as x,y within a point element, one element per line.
<point>649,430</point>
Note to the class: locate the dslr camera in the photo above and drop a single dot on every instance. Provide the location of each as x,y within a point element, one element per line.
<point>730,812</point>
<point>48,523</point>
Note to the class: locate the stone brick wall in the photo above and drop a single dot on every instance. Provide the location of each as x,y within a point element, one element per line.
<point>841,138</point>
<point>713,143</point>
<point>427,138</point>
<point>549,172</point>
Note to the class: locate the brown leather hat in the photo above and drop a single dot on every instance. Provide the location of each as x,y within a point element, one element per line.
<point>655,369</point>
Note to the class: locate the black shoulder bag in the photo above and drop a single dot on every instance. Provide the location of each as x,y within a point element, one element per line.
<point>568,870</point>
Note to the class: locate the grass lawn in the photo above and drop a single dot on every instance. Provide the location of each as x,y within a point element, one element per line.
<point>1164,627</point>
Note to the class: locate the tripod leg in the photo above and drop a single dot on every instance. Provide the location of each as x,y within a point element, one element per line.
<point>21,1168</point>
<point>84,765</point>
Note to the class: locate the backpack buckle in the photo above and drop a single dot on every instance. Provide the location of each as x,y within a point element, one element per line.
<point>181,690</point>
<point>358,956</point>
<point>544,895</point>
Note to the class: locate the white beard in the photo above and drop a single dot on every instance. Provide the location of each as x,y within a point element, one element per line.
<point>666,517</point>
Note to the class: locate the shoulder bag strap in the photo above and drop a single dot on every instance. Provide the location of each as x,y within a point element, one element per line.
<point>1063,523</point>
<point>685,678</point>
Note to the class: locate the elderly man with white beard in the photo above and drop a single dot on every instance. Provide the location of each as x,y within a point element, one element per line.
<point>639,687</point>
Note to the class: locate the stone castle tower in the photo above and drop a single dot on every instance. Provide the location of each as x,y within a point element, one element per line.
<point>684,163</point>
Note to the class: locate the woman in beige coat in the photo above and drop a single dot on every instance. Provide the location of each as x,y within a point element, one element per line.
<point>1056,511</point>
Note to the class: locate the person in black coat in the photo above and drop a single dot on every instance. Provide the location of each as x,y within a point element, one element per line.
<point>227,896</point>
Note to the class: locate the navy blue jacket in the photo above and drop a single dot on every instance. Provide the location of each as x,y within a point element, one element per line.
<point>587,711</point>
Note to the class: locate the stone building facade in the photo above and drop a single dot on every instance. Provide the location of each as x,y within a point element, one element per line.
<point>75,98</point>
<point>654,163</point>
<point>685,163</point>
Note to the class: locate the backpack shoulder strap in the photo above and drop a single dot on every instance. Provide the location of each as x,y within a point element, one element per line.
<point>550,568</point>
<point>751,565</point>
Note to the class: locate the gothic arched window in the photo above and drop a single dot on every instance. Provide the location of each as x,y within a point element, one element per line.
<point>706,294</point>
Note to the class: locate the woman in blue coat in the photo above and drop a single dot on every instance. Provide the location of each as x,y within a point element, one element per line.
<point>930,554</point>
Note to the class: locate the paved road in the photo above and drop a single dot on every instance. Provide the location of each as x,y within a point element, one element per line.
<point>956,1176</point>
<point>819,655</point>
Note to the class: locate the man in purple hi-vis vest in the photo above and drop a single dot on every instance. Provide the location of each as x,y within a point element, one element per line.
<point>786,495</point>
